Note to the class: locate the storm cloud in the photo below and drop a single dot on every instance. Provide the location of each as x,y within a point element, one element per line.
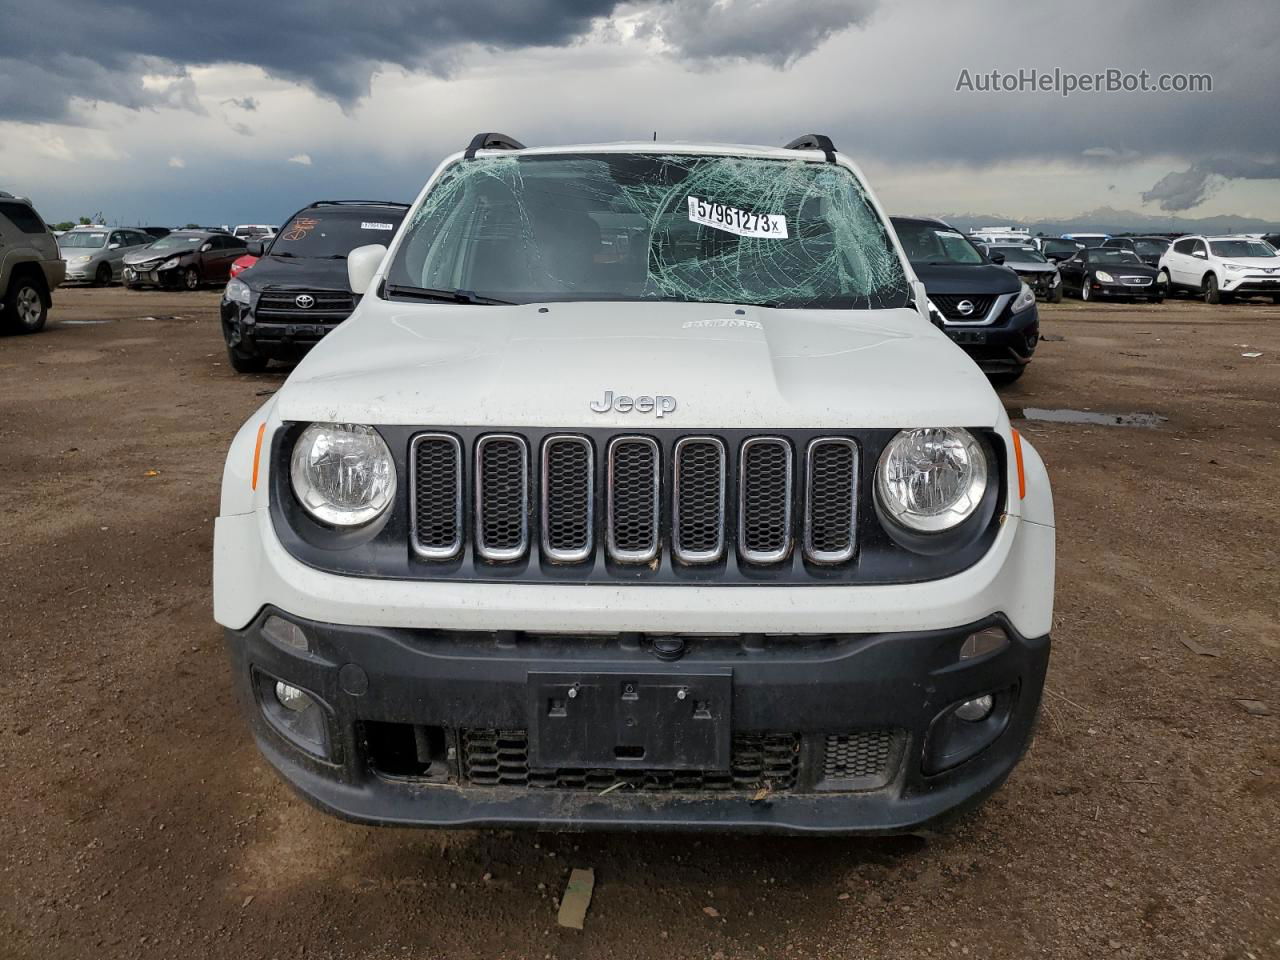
<point>1181,190</point>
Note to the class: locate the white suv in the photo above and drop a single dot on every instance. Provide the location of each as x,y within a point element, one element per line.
<point>638,491</point>
<point>1221,268</point>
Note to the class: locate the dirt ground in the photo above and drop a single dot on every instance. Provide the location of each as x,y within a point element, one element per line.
<point>137,820</point>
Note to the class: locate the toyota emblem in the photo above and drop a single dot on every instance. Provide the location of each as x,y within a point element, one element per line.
<point>964,307</point>
<point>305,301</point>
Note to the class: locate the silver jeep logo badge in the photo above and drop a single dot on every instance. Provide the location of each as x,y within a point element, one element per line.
<point>658,405</point>
<point>964,307</point>
<point>305,301</point>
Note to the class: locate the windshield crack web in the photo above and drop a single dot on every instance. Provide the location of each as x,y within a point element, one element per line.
<point>622,226</point>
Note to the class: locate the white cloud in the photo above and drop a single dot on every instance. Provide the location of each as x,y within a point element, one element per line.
<point>177,163</point>
<point>303,159</point>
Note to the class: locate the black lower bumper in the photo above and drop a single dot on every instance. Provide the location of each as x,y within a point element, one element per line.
<point>1005,345</point>
<point>1121,291</point>
<point>841,734</point>
<point>287,340</point>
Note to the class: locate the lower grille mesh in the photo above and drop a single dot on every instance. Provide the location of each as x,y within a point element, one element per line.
<point>493,758</point>
<point>857,756</point>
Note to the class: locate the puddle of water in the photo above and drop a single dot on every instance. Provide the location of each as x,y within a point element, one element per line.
<point>1087,417</point>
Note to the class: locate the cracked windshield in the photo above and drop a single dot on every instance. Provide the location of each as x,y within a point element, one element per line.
<point>776,233</point>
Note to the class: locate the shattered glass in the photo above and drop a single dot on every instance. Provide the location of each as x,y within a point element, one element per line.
<point>725,229</point>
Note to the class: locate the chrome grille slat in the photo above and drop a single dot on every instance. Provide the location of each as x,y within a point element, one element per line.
<point>632,499</point>
<point>502,497</point>
<point>568,498</point>
<point>765,485</point>
<point>831,499</point>
<point>698,500</point>
<point>435,509</point>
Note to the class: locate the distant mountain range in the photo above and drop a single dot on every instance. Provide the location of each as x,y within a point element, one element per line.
<point>1110,220</point>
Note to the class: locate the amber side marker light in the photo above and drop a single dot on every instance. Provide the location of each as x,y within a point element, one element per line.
<point>261,429</point>
<point>1017,456</point>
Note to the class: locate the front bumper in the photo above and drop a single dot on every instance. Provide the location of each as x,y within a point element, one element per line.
<point>403,709</point>
<point>1251,285</point>
<point>151,276</point>
<point>1004,345</point>
<point>287,341</point>
<point>1124,291</point>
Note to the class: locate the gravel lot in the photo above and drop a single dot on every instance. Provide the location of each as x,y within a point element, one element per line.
<point>136,818</point>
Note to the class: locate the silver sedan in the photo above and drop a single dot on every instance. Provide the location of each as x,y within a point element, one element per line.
<point>96,254</point>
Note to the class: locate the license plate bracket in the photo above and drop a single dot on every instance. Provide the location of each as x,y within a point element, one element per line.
<point>621,721</point>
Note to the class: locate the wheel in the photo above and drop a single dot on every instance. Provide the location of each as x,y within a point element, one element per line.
<point>102,276</point>
<point>1162,283</point>
<point>1055,295</point>
<point>191,278</point>
<point>242,362</point>
<point>1005,377</point>
<point>24,307</point>
<point>1209,289</point>
<point>1084,289</point>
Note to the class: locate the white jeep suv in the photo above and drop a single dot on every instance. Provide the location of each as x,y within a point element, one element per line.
<point>1221,268</point>
<point>638,491</point>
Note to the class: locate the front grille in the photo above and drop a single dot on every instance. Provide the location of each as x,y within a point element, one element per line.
<point>632,499</point>
<point>436,460</point>
<point>502,497</point>
<point>863,757</point>
<point>764,500</point>
<point>500,758</point>
<point>1136,281</point>
<point>949,305</point>
<point>697,504</point>
<point>327,305</point>
<point>568,498</point>
<point>831,500</point>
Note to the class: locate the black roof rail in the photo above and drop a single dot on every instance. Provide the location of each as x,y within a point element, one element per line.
<point>491,141</point>
<point>814,141</point>
<point>358,203</point>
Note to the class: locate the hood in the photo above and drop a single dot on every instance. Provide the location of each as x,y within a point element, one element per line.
<point>1124,269</point>
<point>518,366</point>
<point>1032,267</point>
<point>146,255</point>
<point>975,278</point>
<point>297,273</point>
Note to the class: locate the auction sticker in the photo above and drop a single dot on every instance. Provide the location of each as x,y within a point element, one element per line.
<point>744,223</point>
<point>368,225</point>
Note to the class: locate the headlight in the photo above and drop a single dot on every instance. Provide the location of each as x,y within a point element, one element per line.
<point>80,259</point>
<point>1026,298</point>
<point>342,473</point>
<point>170,263</point>
<point>1234,266</point>
<point>237,292</point>
<point>931,479</point>
<point>1104,276</point>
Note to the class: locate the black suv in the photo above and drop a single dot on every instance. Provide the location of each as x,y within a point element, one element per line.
<point>977,302</point>
<point>298,291</point>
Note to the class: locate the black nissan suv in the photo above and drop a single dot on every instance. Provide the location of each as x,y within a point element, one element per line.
<point>976,301</point>
<point>298,291</point>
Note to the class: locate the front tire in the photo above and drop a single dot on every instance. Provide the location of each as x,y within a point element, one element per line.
<point>191,278</point>
<point>1085,295</point>
<point>1162,283</point>
<point>1209,289</point>
<point>242,362</point>
<point>1055,295</point>
<point>102,277</point>
<point>24,307</point>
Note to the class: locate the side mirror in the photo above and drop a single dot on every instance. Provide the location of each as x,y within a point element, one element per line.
<point>254,248</point>
<point>998,259</point>
<point>1200,253</point>
<point>113,246</point>
<point>362,266</point>
<point>205,248</point>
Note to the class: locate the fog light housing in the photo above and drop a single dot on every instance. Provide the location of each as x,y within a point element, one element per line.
<point>974,710</point>
<point>281,631</point>
<point>295,714</point>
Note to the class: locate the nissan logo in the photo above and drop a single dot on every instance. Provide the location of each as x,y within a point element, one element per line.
<point>964,307</point>
<point>305,301</point>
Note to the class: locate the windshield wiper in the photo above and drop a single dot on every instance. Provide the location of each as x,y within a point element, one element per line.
<point>446,296</point>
